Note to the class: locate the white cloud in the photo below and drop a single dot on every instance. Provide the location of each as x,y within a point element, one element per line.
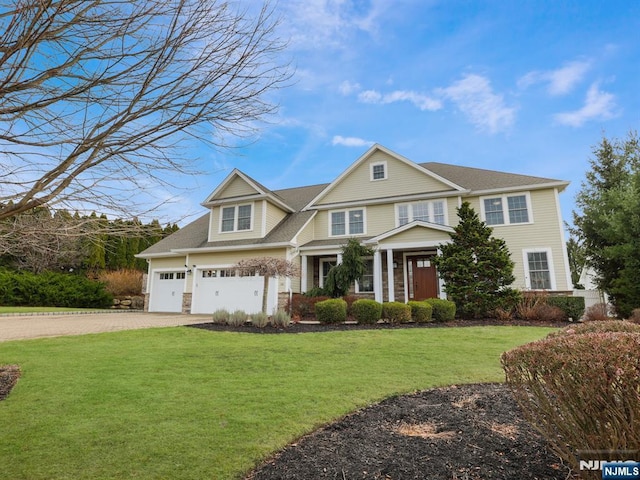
<point>599,105</point>
<point>475,98</point>
<point>347,88</point>
<point>423,102</point>
<point>351,141</point>
<point>560,81</point>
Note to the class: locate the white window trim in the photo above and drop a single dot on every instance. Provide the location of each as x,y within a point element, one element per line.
<point>429,207</point>
<point>357,290</point>
<point>346,222</point>
<point>235,218</point>
<point>371,167</point>
<point>333,260</point>
<point>505,208</point>
<point>525,261</point>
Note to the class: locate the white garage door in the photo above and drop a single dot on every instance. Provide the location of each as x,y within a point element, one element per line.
<point>166,292</point>
<point>217,289</point>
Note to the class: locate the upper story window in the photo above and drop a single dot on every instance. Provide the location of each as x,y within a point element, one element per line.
<point>235,218</point>
<point>433,211</point>
<point>346,222</point>
<point>506,209</point>
<point>379,171</point>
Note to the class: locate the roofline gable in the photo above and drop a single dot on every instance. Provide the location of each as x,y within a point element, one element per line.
<point>374,148</point>
<point>410,226</point>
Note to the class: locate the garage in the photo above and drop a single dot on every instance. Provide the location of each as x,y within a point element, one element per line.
<point>222,288</point>
<point>166,291</point>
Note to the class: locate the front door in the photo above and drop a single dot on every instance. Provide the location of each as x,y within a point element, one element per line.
<point>422,277</point>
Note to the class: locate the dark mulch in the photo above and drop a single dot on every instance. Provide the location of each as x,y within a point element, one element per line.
<point>468,432</point>
<point>9,375</point>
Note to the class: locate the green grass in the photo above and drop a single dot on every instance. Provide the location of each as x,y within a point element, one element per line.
<point>181,403</point>
<point>40,309</point>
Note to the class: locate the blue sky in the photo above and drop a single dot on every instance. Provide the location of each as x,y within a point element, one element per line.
<point>520,86</point>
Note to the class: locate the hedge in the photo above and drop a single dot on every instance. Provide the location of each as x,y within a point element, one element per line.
<point>366,311</point>
<point>421,311</point>
<point>443,310</point>
<point>396,312</point>
<point>573,307</point>
<point>333,310</point>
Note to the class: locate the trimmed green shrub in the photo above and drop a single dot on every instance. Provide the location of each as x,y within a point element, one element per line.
<point>221,316</point>
<point>366,311</point>
<point>281,319</point>
<point>396,312</point>
<point>333,310</point>
<point>51,289</point>
<point>579,391</point>
<point>597,327</point>
<point>443,310</point>
<point>259,319</point>
<point>421,311</point>
<point>303,305</point>
<point>573,307</point>
<point>237,318</point>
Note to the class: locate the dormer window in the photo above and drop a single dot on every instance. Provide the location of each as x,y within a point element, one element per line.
<point>236,218</point>
<point>378,171</point>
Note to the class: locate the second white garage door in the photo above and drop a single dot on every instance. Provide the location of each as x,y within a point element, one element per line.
<point>217,289</point>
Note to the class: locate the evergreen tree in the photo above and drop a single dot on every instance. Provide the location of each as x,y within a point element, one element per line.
<point>476,267</point>
<point>349,270</point>
<point>607,221</point>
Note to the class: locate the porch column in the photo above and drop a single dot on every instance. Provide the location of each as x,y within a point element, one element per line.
<point>390,282</point>
<point>303,273</point>
<point>339,259</point>
<point>377,276</point>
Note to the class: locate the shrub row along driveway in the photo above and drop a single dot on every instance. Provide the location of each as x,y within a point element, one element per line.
<point>20,327</point>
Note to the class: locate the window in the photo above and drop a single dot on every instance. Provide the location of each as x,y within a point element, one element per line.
<point>539,272</point>
<point>235,218</point>
<point>379,171</point>
<point>424,211</point>
<point>517,210</point>
<point>181,275</point>
<point>347,222</point>
<point>325,266</point>
<point>366,283</point>
<point>166,276</point>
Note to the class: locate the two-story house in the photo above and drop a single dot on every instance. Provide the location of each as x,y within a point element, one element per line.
<point>402,209</point>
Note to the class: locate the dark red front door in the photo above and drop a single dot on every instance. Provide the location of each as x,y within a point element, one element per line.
<point>423,279</point>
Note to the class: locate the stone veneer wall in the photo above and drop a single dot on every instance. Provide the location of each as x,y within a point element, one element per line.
<point>186,302</point>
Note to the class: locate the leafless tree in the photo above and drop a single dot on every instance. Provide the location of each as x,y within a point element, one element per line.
<point>101,98</point>
<point>267,267</point>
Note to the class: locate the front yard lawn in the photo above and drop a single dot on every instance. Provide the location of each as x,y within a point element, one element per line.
<point>184,403</point>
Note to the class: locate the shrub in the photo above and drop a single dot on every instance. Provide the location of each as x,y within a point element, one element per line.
<point>366,311</point>
<point>573,307</point>
<point>237,318</point>
<point>580,391</point>
<point>303,306</point>
<point>443,310</point>
<point>259,319</point>
<point>350,299</point>
<point>333,310</point>
<point>122,282</point>
<point>281,319</point>
<point>635,316</point>
<point>597,313</point>
<point>503,314</point>
<point>529,304</point>
<point>221,316</point>
<point>421,311</point>
<point>396,312</point>
<point>597,327</point>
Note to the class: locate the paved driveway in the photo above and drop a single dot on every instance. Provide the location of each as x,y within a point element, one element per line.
<point>19,327</point>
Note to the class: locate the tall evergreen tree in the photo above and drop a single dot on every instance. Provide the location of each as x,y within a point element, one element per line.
<point>476,267</point>
<point>351,269</point>
<point>607,220</point>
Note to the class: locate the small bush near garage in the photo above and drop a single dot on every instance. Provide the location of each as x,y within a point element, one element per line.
<point>396,312</point>
<point>443,310</point>
<point>333,310</point>
<point>221,316</point>
<point>420,311</point>
<point>303,305</point>
<point>281,319</point>
<point>52,289</point>
<point>259,319</point>
<point>366,311</point>
<point>238,318</point>
<point>580,391</point>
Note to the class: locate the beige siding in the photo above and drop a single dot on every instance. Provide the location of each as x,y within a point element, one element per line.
<point>256,232</point>
<point>307,234</point>
<point>236,188</point>
<point>274,216</point>
<point>401,179</point>
<point>418,234</point>
<point>173,262</point>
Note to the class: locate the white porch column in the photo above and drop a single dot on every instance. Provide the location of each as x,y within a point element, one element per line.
<point>339,259</point>
<point>377,276</point>
<point>390,282</point>
<point>303,273</point>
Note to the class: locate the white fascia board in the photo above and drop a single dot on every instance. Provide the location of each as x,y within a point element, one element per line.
<point>158,255</point>
<point>295,236</point>
<point>409,226</point>
<point>262,246</point>
<point>413,245</point>
<point>388,200</point>
<point>561,185</point>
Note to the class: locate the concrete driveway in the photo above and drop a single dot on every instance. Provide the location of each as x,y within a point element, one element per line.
<point>20,327</point>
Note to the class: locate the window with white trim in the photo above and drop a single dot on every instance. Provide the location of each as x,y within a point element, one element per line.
<point>378,171</point>
<point>432,211</point>
<point>325,266</point>
<point>366,282</point>
<point>236,218</point>
<point>538,270</point>
<point>346,222</point>
<point>506,209</point>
